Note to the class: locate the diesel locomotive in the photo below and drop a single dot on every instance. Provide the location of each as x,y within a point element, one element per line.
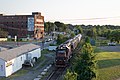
<point>64,51</point>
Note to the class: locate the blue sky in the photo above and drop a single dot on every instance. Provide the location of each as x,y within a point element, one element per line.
<point>67,10</point>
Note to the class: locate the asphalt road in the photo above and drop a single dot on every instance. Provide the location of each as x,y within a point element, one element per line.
<point>110,48</point>
<point>10,45</point>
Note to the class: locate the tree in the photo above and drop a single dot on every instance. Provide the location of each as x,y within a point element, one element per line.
<point>87,40</point>
<point>49,27</point>
<point>115,35</point>
<point>61,38</point>
<point>99,31</point>
<point>79,28</point>
<point>92,33</point>
<point>61,27</point>
<point>86,66</point>
<point>89,33</point>
<point>72,35</point>
<point>70,75</point>
<point>104,31</point>
<point>108,34</point>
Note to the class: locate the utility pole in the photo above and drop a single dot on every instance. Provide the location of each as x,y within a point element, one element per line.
<point>54,31</point>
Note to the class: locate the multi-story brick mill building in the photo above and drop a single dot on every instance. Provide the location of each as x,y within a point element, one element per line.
<point>23,26</point>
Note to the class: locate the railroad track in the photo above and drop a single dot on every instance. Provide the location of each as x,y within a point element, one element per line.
<point>55,75</point>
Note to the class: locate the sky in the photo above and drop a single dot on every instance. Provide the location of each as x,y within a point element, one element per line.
<point>93,12</point>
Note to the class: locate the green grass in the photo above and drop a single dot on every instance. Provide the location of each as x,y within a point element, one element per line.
<point>42,58</point>
<point>46,51</point>
<point>19,73</point>
<point>108,55</point>
<point>16,74</point>
<point>111,73</point>
<point>109,65</point>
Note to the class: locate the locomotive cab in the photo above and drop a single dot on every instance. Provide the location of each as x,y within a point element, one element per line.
<point>61,58</point>
<point>61,53</point>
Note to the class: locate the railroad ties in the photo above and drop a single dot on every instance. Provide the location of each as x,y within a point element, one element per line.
<point>56,74</point>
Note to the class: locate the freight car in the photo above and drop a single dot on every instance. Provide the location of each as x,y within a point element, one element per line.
<point>64,51</point>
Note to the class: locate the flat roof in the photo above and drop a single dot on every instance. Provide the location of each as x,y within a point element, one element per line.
<point>19,14</point>
<point>15,52</point>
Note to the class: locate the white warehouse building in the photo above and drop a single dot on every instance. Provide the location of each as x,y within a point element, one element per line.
<point>12,60</point>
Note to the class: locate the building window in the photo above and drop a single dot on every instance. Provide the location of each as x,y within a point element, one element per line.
<point>21,58</point>
<point>1,67</point>
<point>41,32</point>
<point>12,64</point>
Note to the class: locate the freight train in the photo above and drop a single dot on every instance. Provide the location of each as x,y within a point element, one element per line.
<point>64,51</point>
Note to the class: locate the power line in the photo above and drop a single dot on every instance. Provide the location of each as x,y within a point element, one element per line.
<point>83,19</point>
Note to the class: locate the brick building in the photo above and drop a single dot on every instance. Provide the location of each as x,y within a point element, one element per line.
<point>23,26</point>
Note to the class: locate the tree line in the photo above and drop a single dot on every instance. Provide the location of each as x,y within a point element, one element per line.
<point>110,32</point>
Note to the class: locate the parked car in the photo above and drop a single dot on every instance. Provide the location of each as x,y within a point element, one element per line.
<point>111,44</point>
<point>49,39</point>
